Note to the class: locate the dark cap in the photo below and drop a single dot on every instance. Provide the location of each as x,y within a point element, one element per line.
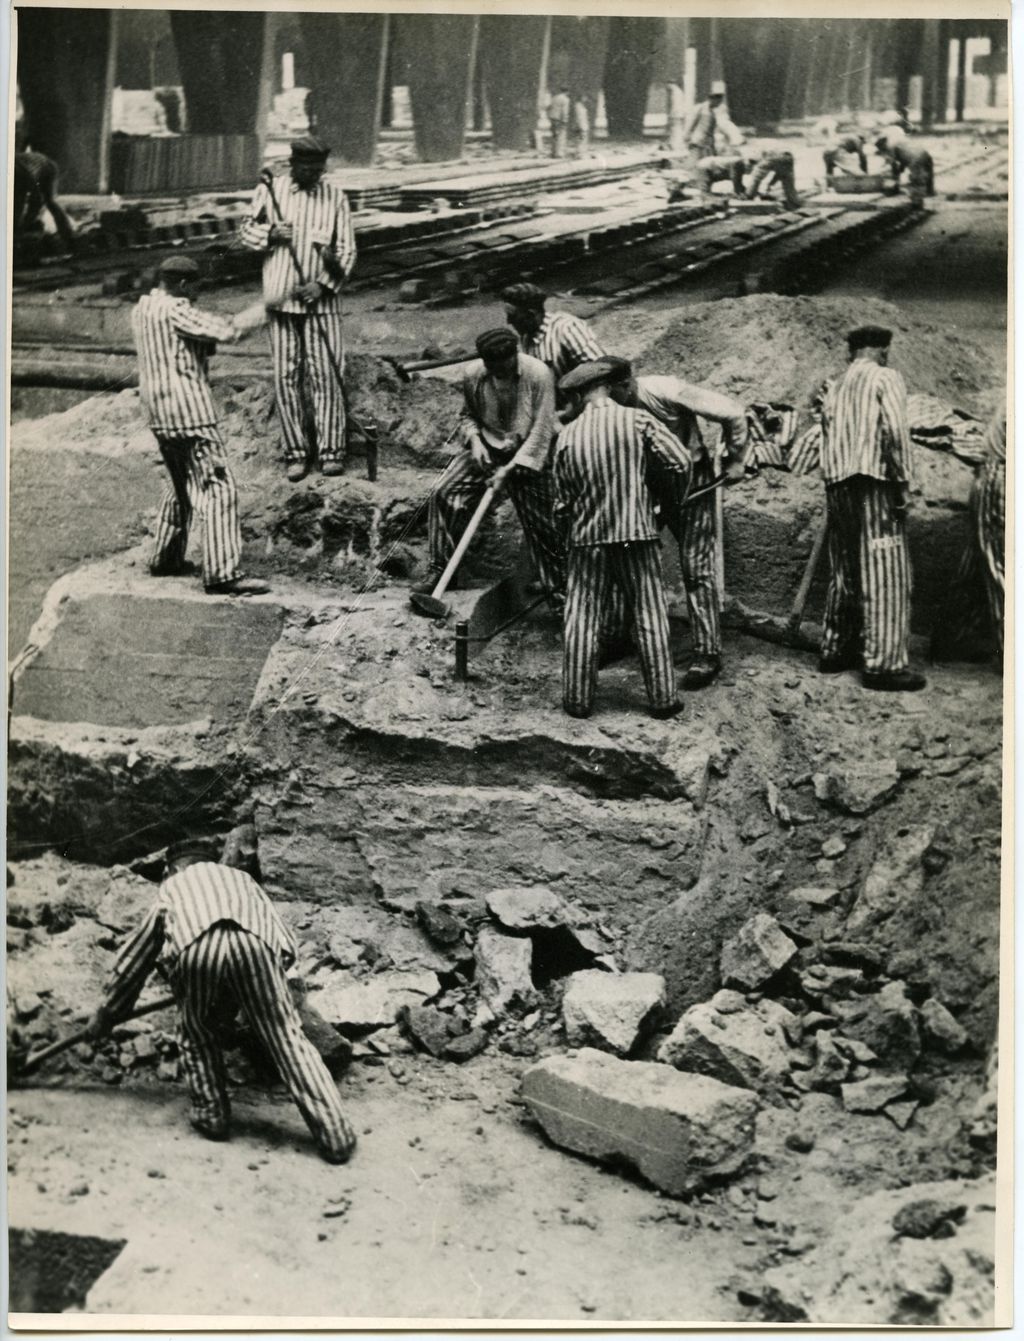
<point>497,344</point>
<point>619,370</point>
<point>179,265</point>
<point>197,846</point>
<point>590,374</point>
<point>309,149</point>
<point>869,337</point>
<point>524,295</point>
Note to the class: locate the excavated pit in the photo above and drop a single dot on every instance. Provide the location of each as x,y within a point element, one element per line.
<point>387,800</point>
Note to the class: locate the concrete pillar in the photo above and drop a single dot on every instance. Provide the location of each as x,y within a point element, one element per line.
<point>933,85</point>
<point>513,49</point>
<point>346,58</point>
<point>908,36</point>
<point>579,50</point>
<point>700,40</point>
<point>753,55</point>
<point>66,65</point>
<point>634,47</point>
<point>960,93</point>
<point>440,48</point>
<point>220,55</point>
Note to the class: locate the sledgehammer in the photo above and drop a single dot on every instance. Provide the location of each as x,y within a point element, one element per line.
<point>431,604</point>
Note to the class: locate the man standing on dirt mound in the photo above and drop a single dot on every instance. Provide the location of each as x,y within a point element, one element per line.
<point>867,464</point>
<point>602,493</point>
<point>678,405</point>
<point>305,228</point>
<point>220,942</point>
<point>174,339</point>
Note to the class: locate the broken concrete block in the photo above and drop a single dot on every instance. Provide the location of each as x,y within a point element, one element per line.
<point>374,1002</point>
<point>830,980</point>
<point>334,1048</point>
<point>126,902</point>
<point>439,922</point>
<point>940,1028</point>
<point>872,1095</point>
<point>610,1010</point>
<point>855,1049</point>
<point>678,1131</point>
<point>815,896</point>
<point>756,953</point>
<point>503,971</point>
<point>887,1023</point>
<point>430,1027</point>
<point>859,788</point>
<point>463,1047</point>
<point>408,948</point>
<point>529,908</point>
<point>740,1046</point>
<point>929,1219</point>
<point>896,876</point>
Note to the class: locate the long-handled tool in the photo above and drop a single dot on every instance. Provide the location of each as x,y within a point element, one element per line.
<point>36,1059</point>
<point>796,613</point>
<point>367,431</point>
<point>431,605</point>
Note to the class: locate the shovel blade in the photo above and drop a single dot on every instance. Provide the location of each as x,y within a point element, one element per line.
<point>429,606</point>
<point>503,602</point>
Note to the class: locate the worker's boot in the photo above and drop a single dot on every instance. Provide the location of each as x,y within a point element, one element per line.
<point>835,665</point>
<point>212,1131</point>
<point>670,710</point>
<point>239,586</point>
<point>894,682</point>
<point>332,468</point>
<point>702,671</point>
<point>296,470</point>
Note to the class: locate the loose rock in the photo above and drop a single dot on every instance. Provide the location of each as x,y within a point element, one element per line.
<point>859,788</point>
<point>610,1010</point>
<point>503,971</point>
<point>529,908</point>
<point>756,953</point>
<point>679,1131</point>
<point>375,1002</point>
<point>872,1095</point>
<point>940,1028</point>
<point>745,1046</point>
<point>929,1219</point>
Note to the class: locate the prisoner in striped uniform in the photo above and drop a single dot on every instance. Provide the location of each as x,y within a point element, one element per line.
<point>304,226</point>
<point>505,431</point>
<point>220,943</point>
<point>602,492</point>
<point>866,461</point>
<point>679,405</point>
<point>558,339</point>
<point>174,340</point>
<point>988,519</point>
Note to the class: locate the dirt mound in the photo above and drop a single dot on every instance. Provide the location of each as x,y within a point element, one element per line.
<point>768,347</point>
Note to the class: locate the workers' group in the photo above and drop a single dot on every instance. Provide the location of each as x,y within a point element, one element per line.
<point>718,152</point>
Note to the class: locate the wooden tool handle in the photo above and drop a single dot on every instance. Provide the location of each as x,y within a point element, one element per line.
<point>55,1049</point>
<point>465,542</point>
<point>796,614</point>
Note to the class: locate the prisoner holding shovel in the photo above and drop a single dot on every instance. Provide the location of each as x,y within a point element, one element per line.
<point>304,228</point>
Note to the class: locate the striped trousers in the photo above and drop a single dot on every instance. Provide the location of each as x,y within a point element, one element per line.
<point>301,361</point>
<point>228,968</point>
<point>693,527</point>
<point>200,482</point>
<point>868,603</point>
<point>988,525</point>
<point>460,489</point>
<point>595,572</point>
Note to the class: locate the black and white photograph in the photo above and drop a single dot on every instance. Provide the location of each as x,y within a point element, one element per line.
<point>509,738</point>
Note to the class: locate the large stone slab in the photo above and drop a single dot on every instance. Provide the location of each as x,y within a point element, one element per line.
<point>896,875</point>
<point>736,1043</point>
<point>375,1002</point>
<point>610,1010</point>
<point>678,1131</point>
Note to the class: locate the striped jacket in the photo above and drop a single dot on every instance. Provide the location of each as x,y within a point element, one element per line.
<point>322,216</point>
<point>174,340</point>
<point>523,422</point>
<point>600,476</point>
<point>864,425</point>
<point>188,904</point>
<point>677,404</point>
<point>563,343</point>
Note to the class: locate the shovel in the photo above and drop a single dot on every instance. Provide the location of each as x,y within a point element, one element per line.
<point>36,1059</point>
<point>431,605</point>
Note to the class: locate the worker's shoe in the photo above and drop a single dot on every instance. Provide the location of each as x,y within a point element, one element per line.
<point>670,710</point>
<point>577,712</point>
<point>183,569</point>
<point>702,671</point>
<point>332,468</point>
<point>239,586</point>
<point>297,470</point>
<point>894,682</point>
<point>212,1131</point>
<point>615,649</point>
<point>843,661</point>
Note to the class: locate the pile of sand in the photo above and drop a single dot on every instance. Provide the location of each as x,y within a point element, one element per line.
<point>769,347</point>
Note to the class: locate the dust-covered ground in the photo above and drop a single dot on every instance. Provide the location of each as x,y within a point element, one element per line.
<point>812,871</point>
